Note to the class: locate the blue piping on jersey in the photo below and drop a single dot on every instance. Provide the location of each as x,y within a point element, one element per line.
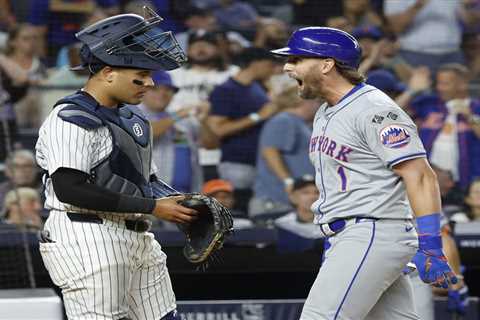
<point>409,156</point>
<point>357,87</point>
<point>356,272</point>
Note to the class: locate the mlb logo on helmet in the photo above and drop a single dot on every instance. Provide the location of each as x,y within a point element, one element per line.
<point>394,136</point>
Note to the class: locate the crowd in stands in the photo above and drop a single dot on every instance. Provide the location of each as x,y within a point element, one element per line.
<point>229,123</point>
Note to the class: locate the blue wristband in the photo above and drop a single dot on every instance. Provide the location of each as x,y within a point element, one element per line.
<point>429,232</point>
<point>429,225</point>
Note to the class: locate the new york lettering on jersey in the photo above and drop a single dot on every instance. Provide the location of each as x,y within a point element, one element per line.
<point>353,142</point>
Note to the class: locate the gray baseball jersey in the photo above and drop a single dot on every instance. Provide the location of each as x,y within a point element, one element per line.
<point>353,148</point>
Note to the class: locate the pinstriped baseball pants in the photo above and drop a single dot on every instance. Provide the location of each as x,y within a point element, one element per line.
<point>106,271</point>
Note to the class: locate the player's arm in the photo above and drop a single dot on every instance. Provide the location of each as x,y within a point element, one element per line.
<point>421,185</point>
<point>224,126</point>
<point>424,194</point>
<point>71,186</point>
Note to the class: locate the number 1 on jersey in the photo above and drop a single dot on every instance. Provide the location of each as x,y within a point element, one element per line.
<point>343,178</point>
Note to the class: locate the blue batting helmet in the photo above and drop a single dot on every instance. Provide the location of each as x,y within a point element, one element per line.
<point>130,41</point>
<point>323,42</point>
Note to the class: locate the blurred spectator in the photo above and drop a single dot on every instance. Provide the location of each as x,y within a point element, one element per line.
<point>271,34</point>
<point>449,124</point>
<point>21,54</point>
<point>397,90</point>
<point>57,21</point>
<point>472,204</point>
<point>21,171</point>
<point>429,30</point>
<point>203,21</point>
<point>452,195</point>
<point>206,69</point>
<point>63,57</point>
<point>62,81</point>
<point>380,50</point>
<point>195,20</point>
<point>339,22</point>
<point>283,153</point>
<point>296,231</point>
<point>64,76</point>
<point>307,13</point>
<point>223,191</point>
<point>237,15</point>
<point>8,122</point>
<point>360,13</point>
<point>7,18</point>
<point>175,147</point>
<point>471,49</point>
<point>239,106</point>
<point>22,208</point>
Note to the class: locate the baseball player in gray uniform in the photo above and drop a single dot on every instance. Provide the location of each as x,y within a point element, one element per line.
<point>96,153</point>
<point>370,168</point>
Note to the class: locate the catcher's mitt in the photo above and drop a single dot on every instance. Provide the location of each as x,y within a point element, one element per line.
<point>206,234</point>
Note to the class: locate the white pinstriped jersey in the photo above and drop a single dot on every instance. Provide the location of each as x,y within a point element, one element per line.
<point>64,144</point>
<point>105,270</point>
<point>353,148</point>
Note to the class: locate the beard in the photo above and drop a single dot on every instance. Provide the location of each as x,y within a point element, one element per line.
<point>215,62</point>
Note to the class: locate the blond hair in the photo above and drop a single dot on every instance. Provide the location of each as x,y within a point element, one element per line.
<point>16,195</point>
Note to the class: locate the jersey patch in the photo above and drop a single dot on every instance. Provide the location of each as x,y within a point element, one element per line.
<point>394,136</point>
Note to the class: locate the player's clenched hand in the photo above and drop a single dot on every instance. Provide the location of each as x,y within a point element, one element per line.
<point>433,268</point>
<point>168,209</point>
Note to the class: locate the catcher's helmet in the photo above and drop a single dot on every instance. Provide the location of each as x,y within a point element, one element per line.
<point>130,41</point>
<point>323,42</point>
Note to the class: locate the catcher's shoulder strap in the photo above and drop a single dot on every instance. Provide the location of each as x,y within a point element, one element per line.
<point>80,110</point>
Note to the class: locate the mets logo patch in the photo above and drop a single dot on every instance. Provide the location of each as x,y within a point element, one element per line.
<point>394,136</point>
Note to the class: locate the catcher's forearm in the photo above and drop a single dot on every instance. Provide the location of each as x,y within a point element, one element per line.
<point>71,187</point>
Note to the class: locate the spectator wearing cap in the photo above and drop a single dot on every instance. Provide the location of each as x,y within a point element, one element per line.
<point>196,80</point>
<point>360,13</point>
<point>223,191</point>
<point>239,107</point>
<point>198,19</point>
<point>449,124</point>
<point>175,147</point>
<point>56,22</point>
<point>283,153</point>
<point>296,230</point>
<point>237,15</point>
<point>22,208</point>
<point>430,31</point>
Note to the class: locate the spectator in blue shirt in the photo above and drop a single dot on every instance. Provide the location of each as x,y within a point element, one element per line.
<point>238,108</point>
<point>283,153</point>
<point>57,21</point>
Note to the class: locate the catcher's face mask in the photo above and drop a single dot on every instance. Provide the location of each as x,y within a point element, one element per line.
<point>132,41</point>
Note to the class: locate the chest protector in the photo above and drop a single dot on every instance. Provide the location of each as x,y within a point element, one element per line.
<point>127,169</point>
